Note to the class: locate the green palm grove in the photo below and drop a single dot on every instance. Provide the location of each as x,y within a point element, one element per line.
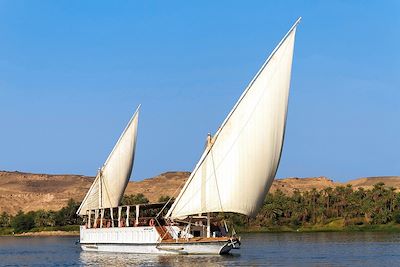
<point>344,204</point>
<point>380,205</point>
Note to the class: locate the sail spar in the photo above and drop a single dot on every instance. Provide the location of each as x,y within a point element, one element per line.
<point>238,167</point>
<point>110,183</point>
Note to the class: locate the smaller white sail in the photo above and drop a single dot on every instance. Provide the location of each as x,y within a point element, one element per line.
<point>237,168</point>
<point>110,183</point>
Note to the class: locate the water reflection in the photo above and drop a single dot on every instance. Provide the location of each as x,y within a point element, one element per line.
<point>115,259</point>
<point>280,249</point>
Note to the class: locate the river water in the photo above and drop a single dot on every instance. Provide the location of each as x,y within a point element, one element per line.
<point>277,249</point>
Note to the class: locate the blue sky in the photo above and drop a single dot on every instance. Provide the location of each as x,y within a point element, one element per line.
<point>73,72</point>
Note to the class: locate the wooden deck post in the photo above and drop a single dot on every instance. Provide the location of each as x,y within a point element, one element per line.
<point>137,215</point>
<point>89,218</point>
<point>112,217</point>
<point>119,216</point>
<point>127,216</point>
<point>208,225</point>
<point>96,216</point>
<point>101,218</point>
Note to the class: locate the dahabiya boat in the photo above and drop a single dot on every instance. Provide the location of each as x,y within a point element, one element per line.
<point>233,175</point>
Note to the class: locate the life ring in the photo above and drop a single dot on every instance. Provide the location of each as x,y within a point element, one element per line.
<point>152,222</point>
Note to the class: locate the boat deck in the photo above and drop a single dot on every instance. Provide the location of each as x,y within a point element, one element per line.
<point>167,238</point>
<point>196,240</point>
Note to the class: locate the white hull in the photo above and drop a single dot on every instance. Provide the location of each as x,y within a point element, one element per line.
<point>208,249</point>
<point>145,240</point>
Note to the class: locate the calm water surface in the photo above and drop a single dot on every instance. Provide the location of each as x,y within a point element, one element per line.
<point>282,249</point>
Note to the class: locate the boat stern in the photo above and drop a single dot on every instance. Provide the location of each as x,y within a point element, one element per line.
<point>233,243</point>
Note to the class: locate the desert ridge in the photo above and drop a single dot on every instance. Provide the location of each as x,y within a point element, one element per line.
<point>29,191</point>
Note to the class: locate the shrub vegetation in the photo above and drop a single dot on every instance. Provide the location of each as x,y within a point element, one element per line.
<point>329,209</point>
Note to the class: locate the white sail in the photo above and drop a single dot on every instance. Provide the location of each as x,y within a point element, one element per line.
<point>238,167</point>
<point>110,183</point>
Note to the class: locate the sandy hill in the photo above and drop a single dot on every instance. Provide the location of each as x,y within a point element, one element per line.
<point>369,182</point>
<point>288,185</point>
<point>27,191</point>
<point>165,184</point>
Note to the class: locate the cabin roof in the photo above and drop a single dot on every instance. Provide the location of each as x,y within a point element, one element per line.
<point>149,205</point>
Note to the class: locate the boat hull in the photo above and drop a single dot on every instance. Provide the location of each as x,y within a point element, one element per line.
<point>188,248</point>
<point>146,240</point>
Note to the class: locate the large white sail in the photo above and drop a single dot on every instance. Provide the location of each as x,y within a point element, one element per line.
<point>110,183</point>
<point>238,167</point>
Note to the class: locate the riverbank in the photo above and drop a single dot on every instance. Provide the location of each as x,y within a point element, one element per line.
<point>50,233</point>
<point>68,230</point>
<point>336,226</point>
